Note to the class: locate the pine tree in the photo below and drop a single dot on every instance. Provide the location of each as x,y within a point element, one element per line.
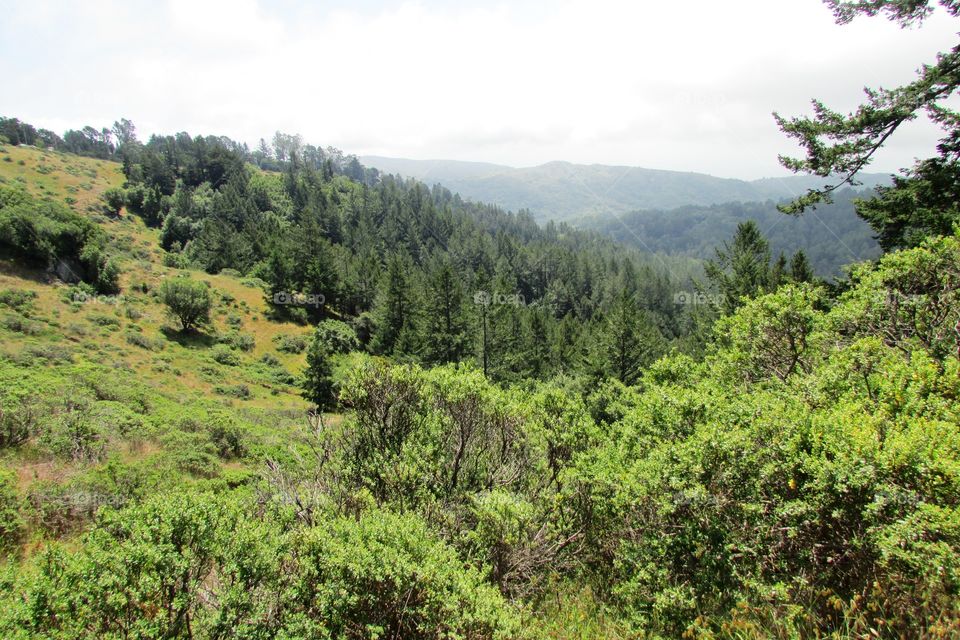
<point>394,309</point>
<point>537,353</point>
<point>923,200</point>
<point>318,377</point>
<point>445,323</point>
<point>779,272</point>
<point>741,268</point>
<point>622,340</point>
<point>800,269</point>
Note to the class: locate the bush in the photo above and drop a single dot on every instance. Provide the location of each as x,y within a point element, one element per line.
<point>291,343</point>
<point>188,301</point>
<point>20,324</point>
<point>144,342</point>
<point>19,300</point>
<point>178,566</point>
<point>240,391</point>
<point>389,576</point>
<point>102,320</point>
<point>19,419</point>
<point>223,354</point>
<point>336,336</point>
<point>192,453</point>
<point>47,233</point>
<point>11,522</point>
<point>75,435</point>
<point>238,340</point>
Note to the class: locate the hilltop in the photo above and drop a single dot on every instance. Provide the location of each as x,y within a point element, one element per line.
<point>567,191</point>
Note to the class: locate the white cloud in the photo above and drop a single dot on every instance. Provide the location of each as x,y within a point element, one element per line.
<point>686,86</point>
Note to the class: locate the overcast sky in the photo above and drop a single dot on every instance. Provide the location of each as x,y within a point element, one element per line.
<point>685,86</point>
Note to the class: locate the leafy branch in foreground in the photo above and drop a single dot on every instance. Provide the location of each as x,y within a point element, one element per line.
<point>842,145</point>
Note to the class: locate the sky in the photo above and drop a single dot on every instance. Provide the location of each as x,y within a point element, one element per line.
<point>682,85</point>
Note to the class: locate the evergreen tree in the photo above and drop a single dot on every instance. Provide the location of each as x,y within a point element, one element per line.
<point>318,378</point>
<point>923,201</point>
<point>800,269</point>
<point>394,312</point>
<point>445,324</point>
<point>537,356</point>
<point>741,268</point>
<point>622,340</point>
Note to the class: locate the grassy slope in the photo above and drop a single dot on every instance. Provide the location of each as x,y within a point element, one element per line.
<point>173,379</point>
<point>65,336</point>
<point>142,263</point>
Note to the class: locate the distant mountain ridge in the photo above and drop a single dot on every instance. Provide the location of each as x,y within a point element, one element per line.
<point>564,191</point>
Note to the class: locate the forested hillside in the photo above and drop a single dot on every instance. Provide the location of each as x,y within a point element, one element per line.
<point>276,394</point>
<point>832,237</point>
<point>563,191</point>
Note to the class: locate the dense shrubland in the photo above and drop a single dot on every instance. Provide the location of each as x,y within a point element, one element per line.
<point>799,479</point>
<point>571,454</point>
<point>48,234</point>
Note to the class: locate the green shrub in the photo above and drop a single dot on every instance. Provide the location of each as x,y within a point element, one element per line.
<point>114,199</point>
<point>192,453</point>
<point>19,300</point>
<point>180,565</point>
<point>11,520</point>
<point>44,232</point>
<point>20,415</point>
<point>223,354</point>
<point>102,320</point>
<point>144,342</point>
<point>188,301</point>
<point>74,434</point>
<point>240,391</point>
<point>389,576</point>
<point>291,343</point>
<point>20,324</point>
<point>270,360</point>
<point>336,336</point>
<point>237,340</point>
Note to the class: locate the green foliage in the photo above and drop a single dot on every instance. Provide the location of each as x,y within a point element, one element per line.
<point>921,202</point>
<point>48,234</point>
<point>20,300</point>
<point>291,343</point>
<point>318,385</point>
<point>74,434</point>
<point>151,565</point>
<point>195,565</point>
<point>418,436</point>
<point>192,453</point>
<point>911,300</point>
<point>222,354</point>
<point>770,337</point>
<point>388,576</point>
<point>189,301</point>
<point>336,336</point>
<point>800,481</point>
<point>114,199</point>
<point>11,521</point>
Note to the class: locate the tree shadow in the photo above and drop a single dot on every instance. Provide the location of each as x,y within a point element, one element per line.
<point>188,339</point>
